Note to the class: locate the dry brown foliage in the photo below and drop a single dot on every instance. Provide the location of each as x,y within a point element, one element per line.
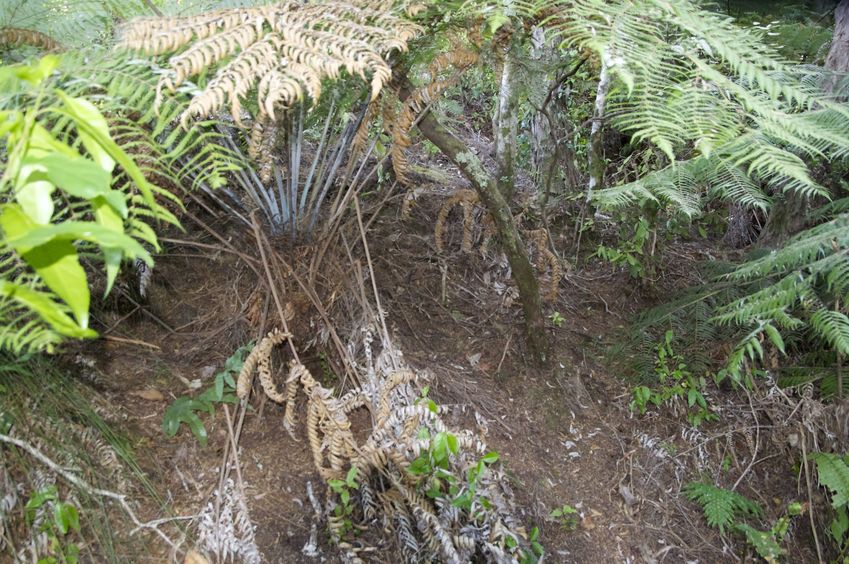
<point>445,70</point>
<point>402,429</point>
<point>284,50</point>
<point>467,199</point>
<point>18,36</point>
<point>545,259</point>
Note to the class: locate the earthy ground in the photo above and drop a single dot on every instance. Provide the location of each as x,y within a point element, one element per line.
<point>564,433</point>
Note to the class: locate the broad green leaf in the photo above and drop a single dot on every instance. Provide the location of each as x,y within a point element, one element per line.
<point>490,458</point>
<point>182,411</point>
<point>80,231</point>
<point>41,497</point>
<point>34,74</point>
<point>55,261</point>
<point>453,443</point>
<point>85,110</point>
<point>65,517</point>
<point>115,152</point>
<point>36,199</point>
<point>77,176</point>
<point>108,218</point>
<point>42,143</point>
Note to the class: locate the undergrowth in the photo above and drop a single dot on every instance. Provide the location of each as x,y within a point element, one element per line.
<point>41,517</point>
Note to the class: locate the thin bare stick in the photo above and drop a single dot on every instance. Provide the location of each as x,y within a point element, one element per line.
<point>380,312</point>
<point>207,246</point>
<point>260,243</point>
<point>130,341</point>
<point>810,493</point>
<point>234,449</point>
<point>88,488</point>
<point>504,354</point>
<point>757,443</point>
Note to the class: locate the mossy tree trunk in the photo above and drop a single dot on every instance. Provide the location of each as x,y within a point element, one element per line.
<point>595,156</point>
<point>506,127</point>
<point>499,207</point>
<point>837,60</point>
<point>511,241</point>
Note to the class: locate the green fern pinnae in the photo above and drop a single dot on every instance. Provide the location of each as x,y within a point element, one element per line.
<point>721,507</point>
<point>76,24</point>
<point>833,327</point>
<point>833,474</point>
<point>690,79</point>
<point>800,251</point>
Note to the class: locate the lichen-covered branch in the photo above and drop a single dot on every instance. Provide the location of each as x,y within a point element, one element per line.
<point>499,208</point>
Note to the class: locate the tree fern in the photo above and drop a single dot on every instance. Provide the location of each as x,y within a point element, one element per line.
<point>712,97</point>
<point>721,507</point>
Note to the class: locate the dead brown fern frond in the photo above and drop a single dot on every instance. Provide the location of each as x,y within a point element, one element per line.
<point>261,142</point>
<point>260,360</point>
<point>18,36</point>
<point>445,70</point>
<point>404,429</point>
<point>545,259</point>
<point>284,50</point>
<point>467,199</point>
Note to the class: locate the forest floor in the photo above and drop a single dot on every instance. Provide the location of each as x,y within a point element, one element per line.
<point>565,433</point>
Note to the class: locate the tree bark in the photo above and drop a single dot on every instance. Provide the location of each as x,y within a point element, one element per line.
<point>837,60</point>
<point>497,204</point>
<point>506,128</point>
<point>595,154</point>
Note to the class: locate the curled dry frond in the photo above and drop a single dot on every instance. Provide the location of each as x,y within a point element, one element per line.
<point>260,360</point>
<point>445,70</point>
<point>467,199</point>
<point>284,50</point>
<point>545,259</point>
<point>386,491</point>
<point>18,36</point>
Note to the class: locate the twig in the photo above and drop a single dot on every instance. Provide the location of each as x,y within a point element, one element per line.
<point>260,243</point>
<point>123,317</point>
<point>380,313</point>
<point>83,485</point>
<point>147,313</point>
<point>152,7</point>
<point>130,341</point>
<point>234,449</point>
<point>504,354</point>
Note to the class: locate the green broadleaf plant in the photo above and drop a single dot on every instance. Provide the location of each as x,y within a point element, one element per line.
<point>60,198</point>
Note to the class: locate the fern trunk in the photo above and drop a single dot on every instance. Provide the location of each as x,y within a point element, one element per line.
<point>499,208</point>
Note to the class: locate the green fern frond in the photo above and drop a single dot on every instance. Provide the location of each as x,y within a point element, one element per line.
<point>833,326</point>
<point>721,507</point>
<point>81,23</point>
<point>833,474</point>
<point>690,82</point>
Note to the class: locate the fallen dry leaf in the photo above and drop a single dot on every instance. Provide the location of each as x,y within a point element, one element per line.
<point>149,394</point>
<point>194,557</point>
